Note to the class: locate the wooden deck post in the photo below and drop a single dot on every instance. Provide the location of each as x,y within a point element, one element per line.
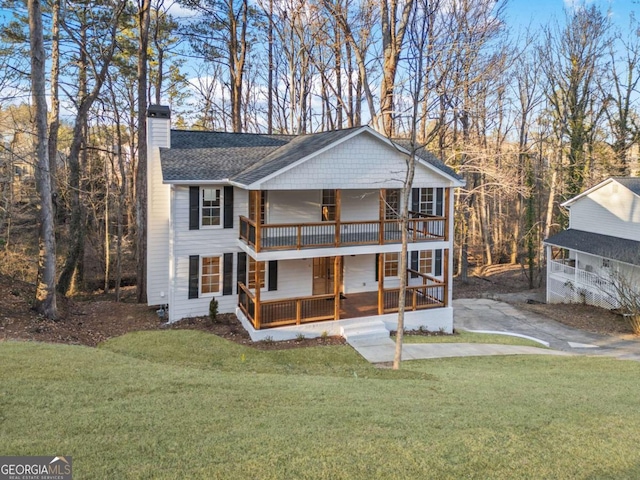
<point>337,281</point>
<point>257,208</point>
<point>337,224</point>
<point>380,283</point>
<point>446,276</point>
<point>257,307</point>
<point>447,203</point>
<point>382,210</point>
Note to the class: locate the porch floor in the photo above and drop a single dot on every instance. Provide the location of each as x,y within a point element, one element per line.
<point>355,305</point>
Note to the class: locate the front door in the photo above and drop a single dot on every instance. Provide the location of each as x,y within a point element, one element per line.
<point>323,275</point>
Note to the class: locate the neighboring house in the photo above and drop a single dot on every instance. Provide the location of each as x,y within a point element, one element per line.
<point>293,231</point>
<point>601,244</point>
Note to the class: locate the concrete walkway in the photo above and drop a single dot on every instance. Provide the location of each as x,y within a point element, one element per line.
<point>491,316</point>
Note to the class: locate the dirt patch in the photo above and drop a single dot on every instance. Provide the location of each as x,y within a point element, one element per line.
<point>583,317</point>
<point>92,319</point>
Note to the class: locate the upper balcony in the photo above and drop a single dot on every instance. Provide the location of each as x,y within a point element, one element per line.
<point>340,219</point>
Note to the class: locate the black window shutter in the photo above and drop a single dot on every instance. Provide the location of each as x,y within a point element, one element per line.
<point>194,267</point>
<point>228,207</point>
<point>194,208</point>
<point>273,275</point>
<point>377,266</point>
<point>438,266</point>
<point>439,201</point>
<point>415,199</point>
<point>227,275</point>
<point>242,269</point>
<point>414,264</point>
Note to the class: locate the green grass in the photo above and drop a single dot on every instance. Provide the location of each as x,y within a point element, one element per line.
<point>183,404</point>
<point>471,337</point>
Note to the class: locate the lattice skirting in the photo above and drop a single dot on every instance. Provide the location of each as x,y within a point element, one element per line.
<point>565,291</point>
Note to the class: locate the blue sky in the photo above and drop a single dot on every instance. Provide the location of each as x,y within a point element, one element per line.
<point>537,12</point>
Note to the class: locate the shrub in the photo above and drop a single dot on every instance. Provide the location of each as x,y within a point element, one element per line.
<point>213,309</point>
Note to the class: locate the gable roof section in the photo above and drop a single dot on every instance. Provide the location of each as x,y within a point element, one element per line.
<point>244,158</point>
<point>299,148</point>
<point>631,183</point>
<point>619,249</point>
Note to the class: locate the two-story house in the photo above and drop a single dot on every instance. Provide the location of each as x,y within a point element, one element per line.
<point>602,244</point>
<point>295,234</point>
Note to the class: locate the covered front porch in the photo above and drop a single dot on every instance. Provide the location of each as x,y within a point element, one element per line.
<point>333,296</point>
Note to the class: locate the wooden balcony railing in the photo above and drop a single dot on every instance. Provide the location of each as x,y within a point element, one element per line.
<point>422,228</point>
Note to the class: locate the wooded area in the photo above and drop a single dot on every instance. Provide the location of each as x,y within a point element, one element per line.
<point>529,119</point>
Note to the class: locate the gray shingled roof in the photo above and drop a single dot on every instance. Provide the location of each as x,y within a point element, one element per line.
<point>632,183</point>
<point>620,249</point>
<point>247,158</point>
<point>196,155</point>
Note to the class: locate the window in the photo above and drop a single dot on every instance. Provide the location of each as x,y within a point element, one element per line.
<point>252,273</point>
<point>392,204</point>
<point>606,263</point>
<point>391,264</point>
<point>210,277</point>
<point>425,262</point>
<point>427,201</point>
<point>328,205</point>
<point>211,207</point>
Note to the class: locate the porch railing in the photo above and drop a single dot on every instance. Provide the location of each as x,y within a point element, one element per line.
<point>421,228</point>
<point>582,278</point>
<point>288,311</point>
<point>430,293</point>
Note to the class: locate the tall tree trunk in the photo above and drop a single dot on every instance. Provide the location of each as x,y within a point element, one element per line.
<point>54,118</point>
<point>271,66</point>
<point>393,30</point>
<point>76,226</point>
<point>141,173</point>
<point>45,301</point>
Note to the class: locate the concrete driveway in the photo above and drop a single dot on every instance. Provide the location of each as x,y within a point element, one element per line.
<point>495,316</point>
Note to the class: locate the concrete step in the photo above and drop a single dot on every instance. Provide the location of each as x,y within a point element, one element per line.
<point>369,333</point>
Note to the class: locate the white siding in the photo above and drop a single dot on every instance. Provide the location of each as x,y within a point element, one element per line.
<point>360,274</point>
<point>294,280</point>
<point>158,207</point>
<point>360,205</point>
<point>207,241</point>
<point>304,206</point>
<point>360,162</point>
<point>293,206</point>
<point>610,210</point>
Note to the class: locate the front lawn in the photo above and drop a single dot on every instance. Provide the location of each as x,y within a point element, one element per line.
<point>462,336</point>
<point>184,404</point>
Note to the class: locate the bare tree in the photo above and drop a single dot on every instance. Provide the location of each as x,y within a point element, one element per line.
<point>393,23</point>
<point>45,291</point>
<point>572,59</point>
<point>619,89</point>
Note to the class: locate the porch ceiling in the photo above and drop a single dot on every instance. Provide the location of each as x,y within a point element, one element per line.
<point>606,246</point>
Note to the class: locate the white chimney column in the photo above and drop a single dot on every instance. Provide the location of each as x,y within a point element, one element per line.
<point>158,206</point>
